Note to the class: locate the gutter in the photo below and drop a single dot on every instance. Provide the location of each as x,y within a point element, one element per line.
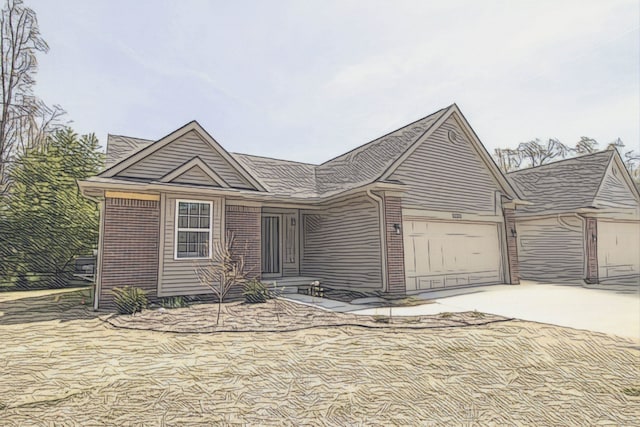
<point>383,238</point>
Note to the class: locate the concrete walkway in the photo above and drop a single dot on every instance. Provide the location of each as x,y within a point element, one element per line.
<point>611,310</point>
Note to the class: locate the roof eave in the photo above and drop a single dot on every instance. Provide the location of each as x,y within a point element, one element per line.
<point>514,203</point>
<point>96,186</point>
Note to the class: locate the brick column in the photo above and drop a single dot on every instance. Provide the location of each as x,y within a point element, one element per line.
<point>512,246</point>
<point>131,231</point>
<point>395,245</point>
<point>591,237</point>
<point>244,222</point>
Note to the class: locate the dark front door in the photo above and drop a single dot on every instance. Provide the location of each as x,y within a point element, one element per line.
<point>271,254</point>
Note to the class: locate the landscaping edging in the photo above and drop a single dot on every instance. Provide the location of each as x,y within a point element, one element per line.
<point>240,317</point>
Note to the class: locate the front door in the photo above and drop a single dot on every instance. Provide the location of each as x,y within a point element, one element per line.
<point>271,247</point>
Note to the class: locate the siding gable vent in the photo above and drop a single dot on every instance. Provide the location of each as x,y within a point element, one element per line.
<point>452,135</point>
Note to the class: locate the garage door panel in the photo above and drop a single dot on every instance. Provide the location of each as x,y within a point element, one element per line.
<point>618,249</point>
<point>448,254</point>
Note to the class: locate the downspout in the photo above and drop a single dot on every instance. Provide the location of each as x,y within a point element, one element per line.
<point>383,238</point>
<point>585,268</point>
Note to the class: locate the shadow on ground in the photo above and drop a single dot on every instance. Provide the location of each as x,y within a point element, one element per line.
<point>46,306</point>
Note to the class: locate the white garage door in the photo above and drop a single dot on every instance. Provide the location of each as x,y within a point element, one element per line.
<point>618,249</point>
<point>445,254</point>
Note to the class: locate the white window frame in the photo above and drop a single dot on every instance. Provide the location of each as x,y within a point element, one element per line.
<point>176,229</point>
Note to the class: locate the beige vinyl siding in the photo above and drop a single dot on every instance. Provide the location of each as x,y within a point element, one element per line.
<point>614,189</point>
<point>447,176</point>
<point>176,153</point>
<point>551,248</point>
<point>341,245</point>
<point>178,277</point>
<point>195,175</point>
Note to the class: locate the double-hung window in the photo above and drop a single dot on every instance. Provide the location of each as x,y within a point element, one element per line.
<point>193,229</point>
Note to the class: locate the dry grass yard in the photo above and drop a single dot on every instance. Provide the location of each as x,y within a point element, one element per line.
<point>61,364</point>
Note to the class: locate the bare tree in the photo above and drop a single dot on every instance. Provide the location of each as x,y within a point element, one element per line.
<point>586,145</point>
<point>223,272</point>
<point>632,162</point>
<point>24,119</point>
<point>538,154</point>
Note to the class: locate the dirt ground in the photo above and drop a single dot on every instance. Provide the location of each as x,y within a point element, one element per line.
<point>61,364</point>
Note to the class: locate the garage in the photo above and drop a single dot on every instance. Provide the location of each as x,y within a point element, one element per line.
<point>618,249</point>
<point>551,248</point>
<point>442,254</point>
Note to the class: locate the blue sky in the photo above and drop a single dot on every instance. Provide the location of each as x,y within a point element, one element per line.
<point>307,80</point>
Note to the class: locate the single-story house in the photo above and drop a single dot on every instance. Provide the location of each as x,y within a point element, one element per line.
<point>422,207</point>
<point>584,220</point>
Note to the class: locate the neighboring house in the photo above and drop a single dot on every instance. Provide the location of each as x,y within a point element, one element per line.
<point>584,221</point>
<point>422,207</point>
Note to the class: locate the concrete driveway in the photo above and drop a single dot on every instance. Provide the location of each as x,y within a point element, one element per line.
<point>609,309</point>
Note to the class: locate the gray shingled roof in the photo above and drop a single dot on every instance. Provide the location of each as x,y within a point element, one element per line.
<point>120,147</point>
<point>360,166</point>
<point>368,162</point>
<point>281,176</point>
<point>561,186</point>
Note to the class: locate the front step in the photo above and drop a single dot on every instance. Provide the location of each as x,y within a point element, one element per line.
<point>288,285</point>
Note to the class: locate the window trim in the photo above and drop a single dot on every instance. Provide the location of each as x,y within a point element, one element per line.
<point>176,229</point>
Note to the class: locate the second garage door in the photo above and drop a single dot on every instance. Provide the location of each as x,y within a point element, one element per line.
<point>442,254</point>
<point>618,249</point>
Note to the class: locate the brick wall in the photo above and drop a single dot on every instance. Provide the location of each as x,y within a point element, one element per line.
<point>512,246</point>
<point>395,245</point>
<point>591,237</point>
<point>129,247</point>
<point>244,223</point>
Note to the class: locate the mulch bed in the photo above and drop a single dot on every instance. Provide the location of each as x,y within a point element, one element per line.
<point>281,315</point>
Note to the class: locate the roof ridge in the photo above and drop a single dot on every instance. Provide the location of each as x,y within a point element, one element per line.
<point>560,161</point>
<point>131,137</point>
<point>273,158</point>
